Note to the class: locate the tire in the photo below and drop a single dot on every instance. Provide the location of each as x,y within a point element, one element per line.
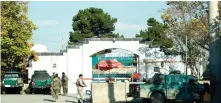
<point>197,101</point>
<point>157,98</point>
<point>33,91</point>
<point>44,91</point>
<point>3,92</point>
<point>145,100</point>
<point>49,91</point>
<point>21,92</point>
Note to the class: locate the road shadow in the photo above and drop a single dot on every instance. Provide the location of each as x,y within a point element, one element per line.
<point>70,101</point>
<point>71,96</point>
<point>48,100</point>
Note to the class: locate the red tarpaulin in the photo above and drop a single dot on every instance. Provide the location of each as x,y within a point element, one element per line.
<point>108,64</point>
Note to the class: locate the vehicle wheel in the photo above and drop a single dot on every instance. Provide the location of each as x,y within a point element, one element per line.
<point>49,91</point>
<point>3,92</point>
<point>46,91</point>
<point>157,98</point>
<point>43,91</point>
<point>197,101</point>
<point>21,92</point>
<point>145,100</point>
<point>33,91</point>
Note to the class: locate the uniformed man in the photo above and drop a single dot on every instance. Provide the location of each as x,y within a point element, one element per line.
<point>64,83</point>
<point>56,85</point>
<point>61,85</point>
<point>80,88</point>
<point>53,74</point>
<point>52,77</point>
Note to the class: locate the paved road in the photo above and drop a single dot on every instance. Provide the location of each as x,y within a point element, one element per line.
<point>37,98</point>
<point>40,98</point>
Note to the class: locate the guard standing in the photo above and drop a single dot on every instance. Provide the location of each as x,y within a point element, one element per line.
<point>52,77</point>
<point>60,85</point>
<point>56,85</point>
<point>64,83</point>
<point>80,88</point>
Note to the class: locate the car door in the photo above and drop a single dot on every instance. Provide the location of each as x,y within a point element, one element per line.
<point>175,87</point>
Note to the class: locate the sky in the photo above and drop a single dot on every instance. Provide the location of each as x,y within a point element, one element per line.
<point>54,18</point>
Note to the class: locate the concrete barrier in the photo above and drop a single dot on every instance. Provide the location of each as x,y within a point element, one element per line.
<point>109,92</point>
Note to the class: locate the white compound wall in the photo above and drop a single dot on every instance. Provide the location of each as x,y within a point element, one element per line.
<point>77,59</point>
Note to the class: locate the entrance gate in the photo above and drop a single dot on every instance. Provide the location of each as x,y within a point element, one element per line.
<point>80,60</point>
<point>114,67</point>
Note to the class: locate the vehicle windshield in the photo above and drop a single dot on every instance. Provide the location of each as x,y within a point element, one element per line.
<point>157,79</point>
<point>40,76</point>
<point>11,75</point>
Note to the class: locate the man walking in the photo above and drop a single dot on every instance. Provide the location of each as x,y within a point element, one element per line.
<point>52,77</point>
<point>60,85</point>
<point>80,88</point>
<point>56,85</point>
<point>64,83</point>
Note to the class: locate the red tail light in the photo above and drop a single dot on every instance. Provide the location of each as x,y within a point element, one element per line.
<point>33,82</point>
<point>136,76</point>
<point>137,88</point>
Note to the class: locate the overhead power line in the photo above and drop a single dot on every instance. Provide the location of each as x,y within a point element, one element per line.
<point>47,40</point>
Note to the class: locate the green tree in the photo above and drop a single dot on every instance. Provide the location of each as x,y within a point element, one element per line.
<point>16,31</point>
<point>156,33</point>
<point>189,18</point>
<point>92,22</point>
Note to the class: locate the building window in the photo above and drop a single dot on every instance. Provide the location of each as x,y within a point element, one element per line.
<point>54,65</point>
<point>156,69</point>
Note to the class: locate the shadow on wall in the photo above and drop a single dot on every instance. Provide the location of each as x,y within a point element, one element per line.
<point>111,88</point>
<point>111,93</point>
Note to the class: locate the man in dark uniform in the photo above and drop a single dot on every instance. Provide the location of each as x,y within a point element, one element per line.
<point>61,84</point>
<point>64,83</point>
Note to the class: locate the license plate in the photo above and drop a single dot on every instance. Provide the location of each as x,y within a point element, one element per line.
<point>7,86</point>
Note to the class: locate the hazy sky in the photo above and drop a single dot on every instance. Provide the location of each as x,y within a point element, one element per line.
<point>54,19</point>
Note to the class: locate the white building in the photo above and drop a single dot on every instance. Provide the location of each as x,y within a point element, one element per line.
<point>77,59</point>
<point>39,48</point>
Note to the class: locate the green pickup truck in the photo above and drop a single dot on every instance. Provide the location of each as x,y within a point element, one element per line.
<point>162,88</point>
<point>12,80</point>
<point>40,81</point>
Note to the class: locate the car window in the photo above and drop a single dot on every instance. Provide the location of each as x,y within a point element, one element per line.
<point>11,76</point>
<point>40,76</point>
<point>158,79</point>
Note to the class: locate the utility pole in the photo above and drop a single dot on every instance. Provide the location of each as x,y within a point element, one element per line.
<point>186,56</point>
<point>214,52</point>
<point>62,47</point>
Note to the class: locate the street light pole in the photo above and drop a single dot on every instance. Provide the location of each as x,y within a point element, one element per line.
<point>214,52</point>
<point>186,55</point>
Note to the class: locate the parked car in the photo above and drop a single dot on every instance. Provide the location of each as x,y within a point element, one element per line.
<point>12,80</point>
<point>161,88</point>
<point>1,85</point>
<point>40,80</point>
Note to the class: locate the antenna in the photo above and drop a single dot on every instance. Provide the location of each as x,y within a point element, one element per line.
<point>62,43</point>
